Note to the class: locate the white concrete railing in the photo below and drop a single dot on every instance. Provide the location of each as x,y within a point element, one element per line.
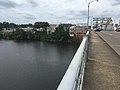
<point>73,78</point>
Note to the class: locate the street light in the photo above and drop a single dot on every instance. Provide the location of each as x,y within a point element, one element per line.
<point>88,12</point>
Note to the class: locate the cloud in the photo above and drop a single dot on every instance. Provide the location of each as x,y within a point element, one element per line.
<point>116,3</point>
<point>72,16</point>
<point>56,11</point>
<point>83,12</point>
<point>29,16</point>
<point>70,0</point>
<point>8,4</point>
<point>51,14</point>
<point>77,14</point>
<point>106,13</point>
<point>25,15</point>
<point>33,3</point>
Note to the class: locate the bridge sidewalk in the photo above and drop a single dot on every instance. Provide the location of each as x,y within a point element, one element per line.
<point>102,70</point>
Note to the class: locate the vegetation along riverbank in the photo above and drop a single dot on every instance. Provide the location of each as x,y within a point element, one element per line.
<point>38,32</point>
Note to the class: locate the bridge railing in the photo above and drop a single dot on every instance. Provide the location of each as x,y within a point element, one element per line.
<point>73,78</point>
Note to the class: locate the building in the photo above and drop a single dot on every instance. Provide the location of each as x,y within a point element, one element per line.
<point>103,23</point>
<point>77,31</point>
<point>66,26</point>
<point>81,24</point>
<point>27,29</point>
<point>51,28</point>
<point>8,30</point>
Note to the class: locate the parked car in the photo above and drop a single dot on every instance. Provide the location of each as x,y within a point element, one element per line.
<point>97,30</point>
<point>118,29</point>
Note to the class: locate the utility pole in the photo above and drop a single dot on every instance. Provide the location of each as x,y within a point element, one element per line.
<point>119,21</point>
<point>89,13</point>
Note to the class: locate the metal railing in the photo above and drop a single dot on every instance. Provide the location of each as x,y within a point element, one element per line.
<point>73,78</point>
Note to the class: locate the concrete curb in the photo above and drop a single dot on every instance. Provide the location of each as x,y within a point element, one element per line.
<point>108,44</point>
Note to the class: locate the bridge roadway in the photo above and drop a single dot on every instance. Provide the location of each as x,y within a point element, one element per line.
<point>112,38</point>
<point>102,70</point>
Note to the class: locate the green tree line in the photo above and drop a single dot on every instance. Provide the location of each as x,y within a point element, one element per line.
<point>8,25</point>
<point>60,35</point>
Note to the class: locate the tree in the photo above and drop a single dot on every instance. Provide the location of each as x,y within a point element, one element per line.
<point>12,25</point>
<point>1,26</point>
<point>26,25</point>
<point>19,34</point>
<point>30,25</point>
<point>43,25</point>
<point>6,25</point>
<point>1,34</point>
<point>29,35</point>
<point>61,34</point>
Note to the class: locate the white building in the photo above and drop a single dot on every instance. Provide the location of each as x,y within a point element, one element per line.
<point>51,28</point>
<point>8,30</point>
<point>103,23</point>
<point>77,31</point>
<point>27,29</point>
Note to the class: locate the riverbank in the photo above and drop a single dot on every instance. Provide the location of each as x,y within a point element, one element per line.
<point>40,36</point>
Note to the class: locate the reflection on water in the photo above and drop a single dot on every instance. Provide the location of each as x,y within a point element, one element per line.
<point>33,65</point>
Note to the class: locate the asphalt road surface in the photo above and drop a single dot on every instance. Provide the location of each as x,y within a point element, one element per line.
<point>112,38</point>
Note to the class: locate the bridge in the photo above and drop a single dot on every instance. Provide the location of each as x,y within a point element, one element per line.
<point>96,64</point>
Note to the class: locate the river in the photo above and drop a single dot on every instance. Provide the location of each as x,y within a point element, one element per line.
<point>33,65</point>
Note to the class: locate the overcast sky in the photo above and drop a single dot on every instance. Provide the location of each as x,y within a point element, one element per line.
<point>56,11</point>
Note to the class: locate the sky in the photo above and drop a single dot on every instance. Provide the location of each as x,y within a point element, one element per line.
<point>57,11</point>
